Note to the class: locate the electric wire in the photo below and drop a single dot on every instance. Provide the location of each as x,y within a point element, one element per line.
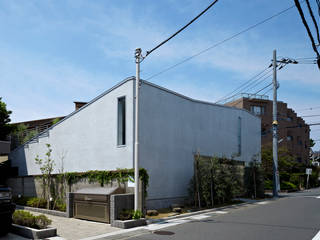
<point>181,29</point>
<point>249,87</point>
<point>259,82</point>
<point>222,41</point>
<point>245,83</point>
<point>314,20</point>
<point>318,3</point>
<point>310,108</point>
<point>266,92</point>
<point>263,88</point>
<point>243,87</point>
<point>316,115</point>
<point>297,3</point>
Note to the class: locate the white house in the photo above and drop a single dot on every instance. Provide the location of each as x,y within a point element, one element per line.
<point>172,128</point>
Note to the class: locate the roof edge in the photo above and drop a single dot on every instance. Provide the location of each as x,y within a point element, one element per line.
<point>195,100</point>
<point>76,111</point>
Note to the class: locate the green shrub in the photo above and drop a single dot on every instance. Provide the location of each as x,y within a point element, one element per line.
<point>125,214</point>
<point>137,214</point>
<point>42,221</point>
<point>288,186</point>
<point>60,205</point>
<point>24,218</point>
<point>27,219</point>
<point>37,202</point>
<point>268,184</point>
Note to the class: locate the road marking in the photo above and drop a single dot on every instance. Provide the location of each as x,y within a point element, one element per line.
<point>316,237</point>
<point>318,197</point>
<point>160,225</point>
<point>261,203</point>
<point>199,217</point>
<point>220,212</point>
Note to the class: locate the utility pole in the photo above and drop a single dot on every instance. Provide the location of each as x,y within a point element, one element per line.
<point>138,58</point>
<point>276,186</point>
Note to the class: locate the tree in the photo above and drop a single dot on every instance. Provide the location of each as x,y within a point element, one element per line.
<point>5,127</point>
<point>312,143</point>
<point>46,167</point>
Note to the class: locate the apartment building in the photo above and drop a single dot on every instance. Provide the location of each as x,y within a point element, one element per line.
<point>293,132</point>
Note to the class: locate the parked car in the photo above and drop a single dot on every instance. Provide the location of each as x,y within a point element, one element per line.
<point>7,208</point>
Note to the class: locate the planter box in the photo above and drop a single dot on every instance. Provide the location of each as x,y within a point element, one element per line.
<point>33,233</point>
<point>129,223</point>
<point>43,210</point>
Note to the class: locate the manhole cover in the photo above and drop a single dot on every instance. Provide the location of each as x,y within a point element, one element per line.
<point>163,232</point>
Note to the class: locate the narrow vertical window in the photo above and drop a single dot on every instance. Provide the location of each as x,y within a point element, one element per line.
<point>239,136</point>
<point>122,121</point>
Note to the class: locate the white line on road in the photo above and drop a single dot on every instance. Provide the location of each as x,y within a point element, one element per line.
<point>198,217</point>
<point>316,237</point>
<point>160,225</point>
<point>318,197</point>
<point>220,212</point>
<point>261,203</point>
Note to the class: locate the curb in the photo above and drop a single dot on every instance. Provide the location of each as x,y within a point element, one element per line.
<point>33,233</point>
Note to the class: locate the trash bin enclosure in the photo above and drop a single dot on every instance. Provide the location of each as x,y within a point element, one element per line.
<point>94,203</point>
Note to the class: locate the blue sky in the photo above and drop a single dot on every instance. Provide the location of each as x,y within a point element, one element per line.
<point>57,52</point>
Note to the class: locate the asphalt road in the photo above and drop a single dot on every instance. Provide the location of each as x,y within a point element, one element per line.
<point>295,216</point>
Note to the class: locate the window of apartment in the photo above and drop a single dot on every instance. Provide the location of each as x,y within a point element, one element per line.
<point>263,132</point>
<point>289,138</point>
<point>122,121</point>
<point>239,136</point>
<point>257,110</point>
<point>299,140</point>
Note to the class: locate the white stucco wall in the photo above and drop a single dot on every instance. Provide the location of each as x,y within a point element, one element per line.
<point>173,128</point>
<point>86,139</point>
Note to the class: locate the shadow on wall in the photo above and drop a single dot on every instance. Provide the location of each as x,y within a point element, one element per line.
<point>22,184</point>
<point>18,159</point>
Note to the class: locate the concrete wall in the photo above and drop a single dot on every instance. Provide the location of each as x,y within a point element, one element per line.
<point>118,202</point>
<point>86,139</point>
<point>173,128</point>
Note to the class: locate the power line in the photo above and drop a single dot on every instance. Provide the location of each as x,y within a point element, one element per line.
<point>245,83</point>
<point>249,87</point>
<point>221,42</point>
<point>317,115</point>
<point>313,19</point>
<point>259,82</point>
<point>318,3</point>
<point>265,93</point>
<point>297,3</point>
<point>263,88</point>
<point>243,88</point>
<point>310,108</point>
<point>181,29</point>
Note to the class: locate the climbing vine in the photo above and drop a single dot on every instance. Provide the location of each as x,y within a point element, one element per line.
<point>105,177</point>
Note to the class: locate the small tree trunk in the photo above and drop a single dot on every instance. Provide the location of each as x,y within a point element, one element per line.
<point>254,183</point>
<point>197,182</point>
<point>211,171</point>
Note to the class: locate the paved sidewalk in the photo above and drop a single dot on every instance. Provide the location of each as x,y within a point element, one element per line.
<point>71,228</point>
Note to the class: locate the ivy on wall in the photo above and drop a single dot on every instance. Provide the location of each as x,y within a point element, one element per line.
<point>105,177</point>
